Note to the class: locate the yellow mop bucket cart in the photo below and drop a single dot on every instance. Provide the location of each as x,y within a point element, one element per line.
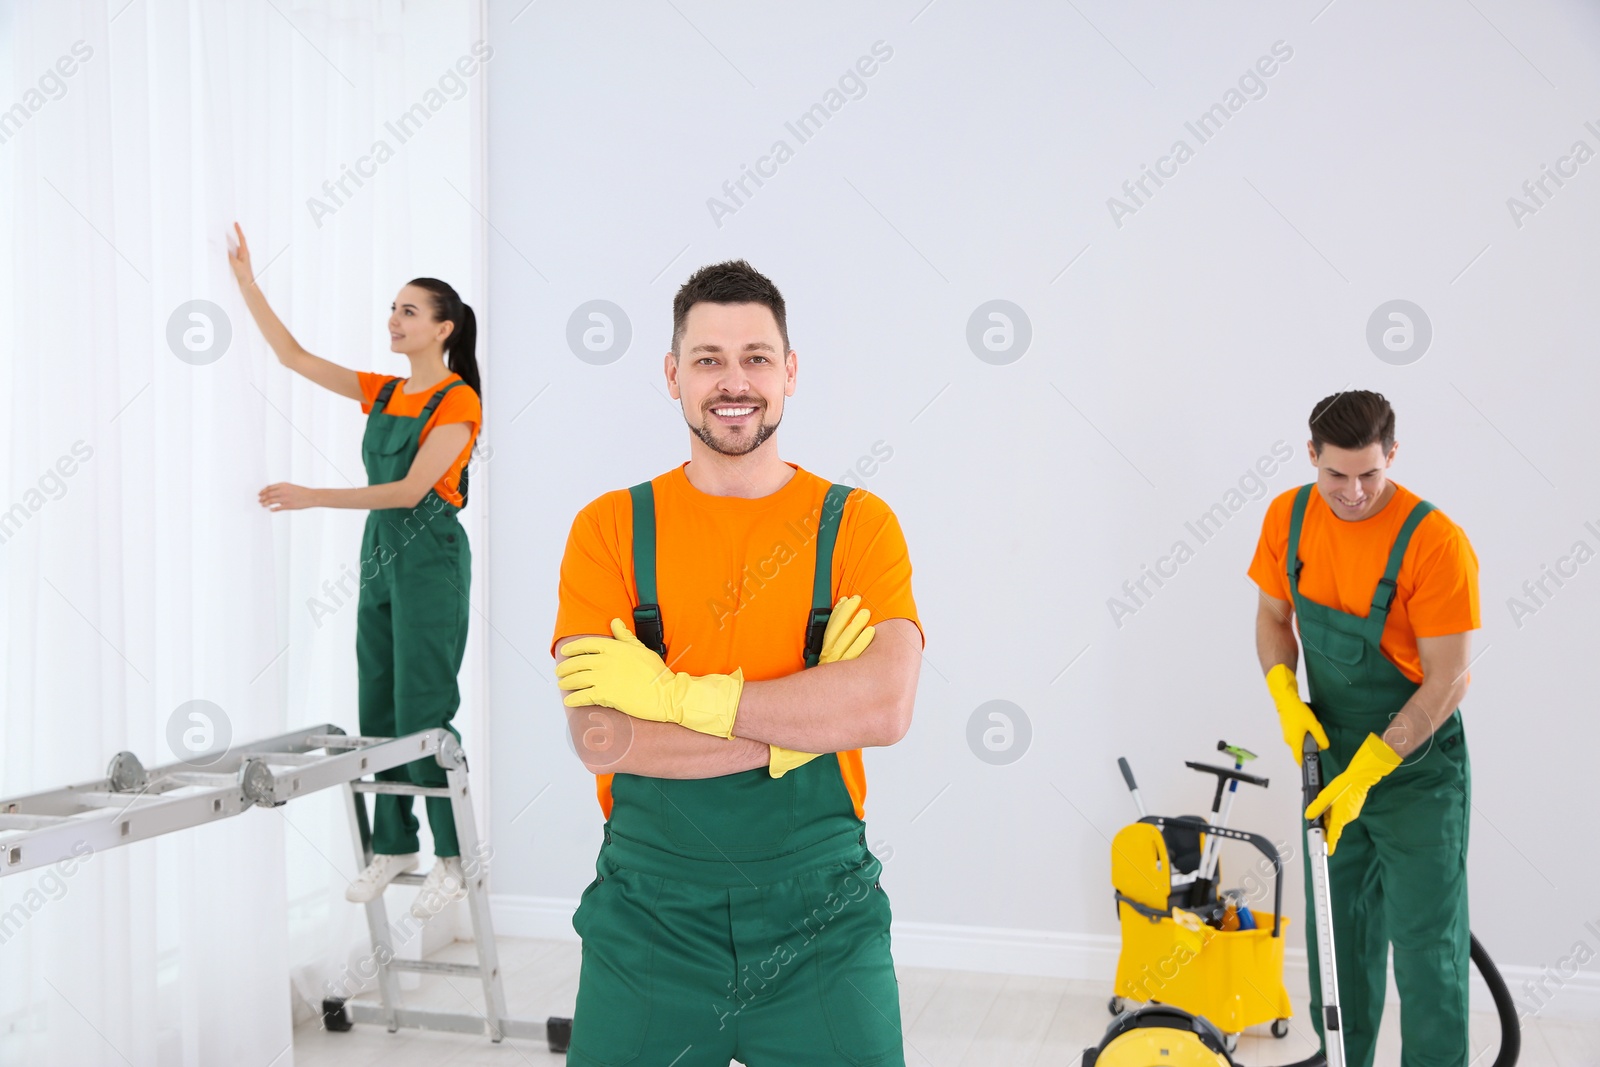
<point>1164,872</point>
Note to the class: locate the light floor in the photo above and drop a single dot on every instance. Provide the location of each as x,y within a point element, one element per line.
<point>951,1018</point>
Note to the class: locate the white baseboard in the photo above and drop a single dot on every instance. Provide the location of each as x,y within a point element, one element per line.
<point>999,950</point>
<point>544,918</point>
<point>1051,954</point>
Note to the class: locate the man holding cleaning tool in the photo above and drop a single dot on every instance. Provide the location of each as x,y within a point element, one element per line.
<point>1385,587</point>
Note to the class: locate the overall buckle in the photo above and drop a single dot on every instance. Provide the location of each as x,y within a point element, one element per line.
<point>815,629</point>
<point>647,628</point>
<point>1386,594</point>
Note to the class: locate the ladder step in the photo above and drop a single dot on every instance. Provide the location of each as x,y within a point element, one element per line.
<point>200,779</point>
<point>401,788</point>
<point>339,741</point>
<point>120,801</point>
<point>344,741</point>
<point>284,759</point>
<point>462,1023</point>
<point>30,822</point>
<point>408,879</point>
<point>463,970</point>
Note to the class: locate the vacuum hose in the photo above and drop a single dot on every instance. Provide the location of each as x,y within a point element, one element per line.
<point>1510,1026</point>
<point>1504,1006</point>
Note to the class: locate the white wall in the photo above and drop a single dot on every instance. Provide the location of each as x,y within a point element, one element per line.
<point>1176,350</point>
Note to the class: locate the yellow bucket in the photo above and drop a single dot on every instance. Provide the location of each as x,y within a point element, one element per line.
<point>1233,978</point>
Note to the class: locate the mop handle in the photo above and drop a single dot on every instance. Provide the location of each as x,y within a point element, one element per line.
<point>1127,776</point>
<point>1208,862</point>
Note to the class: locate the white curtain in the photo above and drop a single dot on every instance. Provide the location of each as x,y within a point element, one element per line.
<point>139,573</point>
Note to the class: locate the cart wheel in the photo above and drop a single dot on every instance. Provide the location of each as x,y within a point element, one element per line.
<point>1114,1006</point>
<point>558,1032</point>
<point>1280,1028</point>
<point>334,1015</point>
<point>1230,1042</point>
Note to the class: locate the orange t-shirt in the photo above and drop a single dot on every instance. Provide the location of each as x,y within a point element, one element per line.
<point>458,405</point>
<point>1436,591</point>
<point>733,578</point>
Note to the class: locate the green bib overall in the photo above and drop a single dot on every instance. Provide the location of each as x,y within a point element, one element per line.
<point>738,916</point>
<point>411,623</point>
<point>1400,873</point>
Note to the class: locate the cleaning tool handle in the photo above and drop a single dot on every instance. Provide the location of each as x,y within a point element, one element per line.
<point>1127,773</point>
<point>1133,787</point>
<point>1310,771</point>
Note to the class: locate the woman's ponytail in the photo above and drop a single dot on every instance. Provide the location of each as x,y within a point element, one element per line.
<point>460,348</point>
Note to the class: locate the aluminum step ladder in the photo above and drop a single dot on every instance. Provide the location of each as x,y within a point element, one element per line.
<point>133,803</point>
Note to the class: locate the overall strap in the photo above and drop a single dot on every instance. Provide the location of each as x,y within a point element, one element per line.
<point>1291,556</point>
<point>433,401</point>
<point>822,580</point>
<point>427,409</point>
<point>647,622</point>
<point>427,413</point>
<point>1383,595</point>
<point>647,616</point>
<point>384,394</point>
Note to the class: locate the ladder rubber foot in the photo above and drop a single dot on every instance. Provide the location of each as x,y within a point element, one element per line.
<point>558,1032</point>
<point>334,1015</point>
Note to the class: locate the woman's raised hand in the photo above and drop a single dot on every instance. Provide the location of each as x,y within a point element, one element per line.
<point>239,260</point>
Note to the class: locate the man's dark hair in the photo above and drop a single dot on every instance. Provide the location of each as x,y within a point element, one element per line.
<point>1352,420</point>
<point>733,282</point>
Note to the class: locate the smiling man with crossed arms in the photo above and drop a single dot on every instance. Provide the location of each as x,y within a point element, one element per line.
<point>736,910</point>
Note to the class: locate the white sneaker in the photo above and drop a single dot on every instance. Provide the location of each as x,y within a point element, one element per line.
<point>379,873</point>
<point>444,885</point>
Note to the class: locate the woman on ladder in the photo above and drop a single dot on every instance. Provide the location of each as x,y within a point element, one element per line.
<point>411,619</point>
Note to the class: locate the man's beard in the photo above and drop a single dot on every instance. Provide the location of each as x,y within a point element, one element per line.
<point>706,432</point>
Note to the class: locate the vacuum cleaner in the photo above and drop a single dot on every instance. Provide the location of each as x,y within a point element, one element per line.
<point>1168,1036</point>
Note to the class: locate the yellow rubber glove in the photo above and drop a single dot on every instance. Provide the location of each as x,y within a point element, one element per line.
<point>1297,719</point>
<point>846,637</point>
<point>1343,797</point>
<point>621,672</point>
